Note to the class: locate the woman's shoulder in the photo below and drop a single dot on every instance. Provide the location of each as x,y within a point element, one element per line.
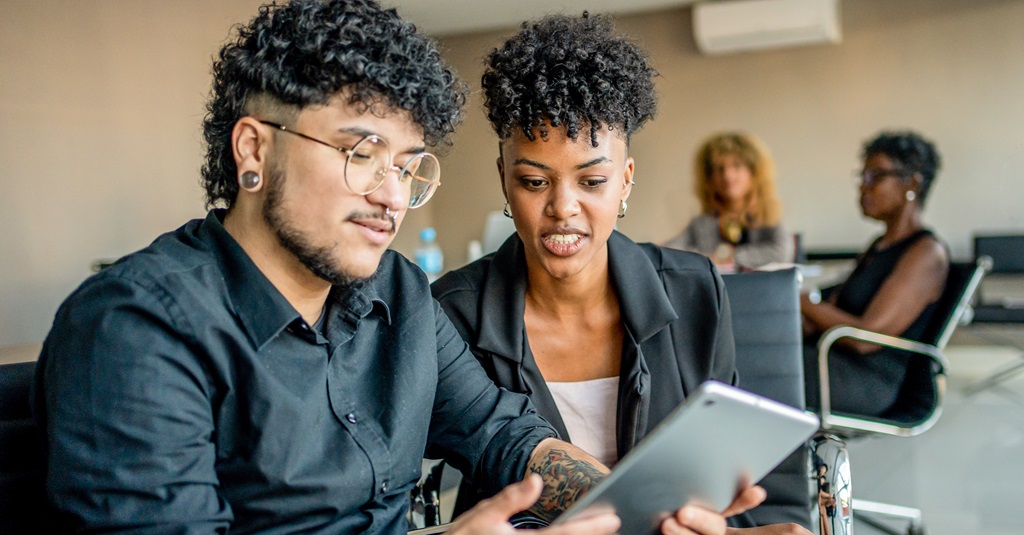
<point>463,282</point>
<point>667,259</point>
<point>922,244</point>
<point>779,229</point>
<point>701,222</point>
<point>928,247</point>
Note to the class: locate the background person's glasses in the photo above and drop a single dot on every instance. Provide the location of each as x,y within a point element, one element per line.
<point>870,177</point>
<point>369,161</point>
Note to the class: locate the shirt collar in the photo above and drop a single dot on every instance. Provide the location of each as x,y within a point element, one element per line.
<point>260,307</point>
<point>645,305</point>
<point>369,296</point>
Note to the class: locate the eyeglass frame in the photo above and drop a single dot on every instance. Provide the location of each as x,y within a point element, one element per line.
<point>348,153</point>
<point>870,177</point>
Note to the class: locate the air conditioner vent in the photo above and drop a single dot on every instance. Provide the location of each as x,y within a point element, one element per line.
<point>738,25</point>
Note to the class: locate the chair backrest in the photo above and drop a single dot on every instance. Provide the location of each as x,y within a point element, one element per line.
<point>1006,252</point>
<point>920,395</point>
<point>22,461</point>
<point>962,282</point>
<point>766,326</point>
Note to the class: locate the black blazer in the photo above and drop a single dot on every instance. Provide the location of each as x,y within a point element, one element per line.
<point>674,309</point>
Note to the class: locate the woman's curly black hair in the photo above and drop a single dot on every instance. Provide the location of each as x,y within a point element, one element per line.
<point>910,151</point>
<point>305,52</point>
<point>571,72</point>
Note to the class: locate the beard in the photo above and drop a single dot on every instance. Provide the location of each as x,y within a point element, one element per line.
<point>319,260</point>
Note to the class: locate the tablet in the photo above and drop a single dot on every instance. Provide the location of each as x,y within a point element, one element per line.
<point>719,440</point>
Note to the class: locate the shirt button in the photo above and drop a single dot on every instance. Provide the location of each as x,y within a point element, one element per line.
<point>351,417</point>
<point>384,486</point>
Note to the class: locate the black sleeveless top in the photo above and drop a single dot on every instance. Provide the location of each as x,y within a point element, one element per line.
<point>873,268</point>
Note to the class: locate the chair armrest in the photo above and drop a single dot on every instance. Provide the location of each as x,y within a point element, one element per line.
<point>829,420</point>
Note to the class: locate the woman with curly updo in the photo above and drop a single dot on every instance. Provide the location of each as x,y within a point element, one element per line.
<point>740,221</point>
<point>605,335</point>
<point>895,286</point>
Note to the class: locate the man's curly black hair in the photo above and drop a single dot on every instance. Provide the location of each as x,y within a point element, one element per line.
<point>305,52</point>
<point>911,152</point>
<point>571,72</point>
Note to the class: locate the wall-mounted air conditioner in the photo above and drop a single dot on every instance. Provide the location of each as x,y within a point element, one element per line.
<point>737,25</point>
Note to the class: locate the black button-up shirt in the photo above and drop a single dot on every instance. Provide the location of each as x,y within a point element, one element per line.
<point>180,392</point>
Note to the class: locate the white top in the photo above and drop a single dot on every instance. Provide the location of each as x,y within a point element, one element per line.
<point>588,412</point>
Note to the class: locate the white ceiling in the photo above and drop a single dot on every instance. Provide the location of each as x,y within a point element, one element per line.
<point>443,17</point>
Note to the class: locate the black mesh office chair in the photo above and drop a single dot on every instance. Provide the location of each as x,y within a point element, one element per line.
<point>919,403</point>
<point>766,326</point>
<point>1000,310</point>
<point>22,469</point>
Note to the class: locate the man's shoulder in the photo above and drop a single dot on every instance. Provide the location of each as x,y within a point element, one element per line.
<point>175,253</point>
<point>161,267</point>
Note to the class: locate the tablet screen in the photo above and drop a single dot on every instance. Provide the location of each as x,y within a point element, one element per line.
<point>718,441</point>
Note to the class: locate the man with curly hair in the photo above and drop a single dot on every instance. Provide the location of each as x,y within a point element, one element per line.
<point>273,368</point>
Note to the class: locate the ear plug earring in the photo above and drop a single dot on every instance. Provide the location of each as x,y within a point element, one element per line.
<point>249,181</point>
<point>911,195</point>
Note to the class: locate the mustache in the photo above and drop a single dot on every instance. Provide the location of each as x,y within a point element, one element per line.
<point>381,215</point>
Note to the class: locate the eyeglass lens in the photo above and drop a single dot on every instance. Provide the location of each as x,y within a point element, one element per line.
<point>370,161</point>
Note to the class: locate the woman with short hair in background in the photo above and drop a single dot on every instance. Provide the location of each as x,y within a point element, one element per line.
<point>895,286</point>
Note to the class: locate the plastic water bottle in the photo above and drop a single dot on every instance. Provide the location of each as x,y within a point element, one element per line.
<point>428,255</point>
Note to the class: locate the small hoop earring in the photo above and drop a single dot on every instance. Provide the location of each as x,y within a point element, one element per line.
<point>911,195</point>
<point>622,208</point>
<point>506,211</point>
<point>249,181</point>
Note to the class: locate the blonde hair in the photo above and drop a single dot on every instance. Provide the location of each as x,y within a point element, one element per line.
<point>763,207</point>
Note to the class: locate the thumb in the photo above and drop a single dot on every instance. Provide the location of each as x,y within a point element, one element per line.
<point>750,498</point>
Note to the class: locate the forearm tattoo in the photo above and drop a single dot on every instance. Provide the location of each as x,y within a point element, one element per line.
<point>565,480</point>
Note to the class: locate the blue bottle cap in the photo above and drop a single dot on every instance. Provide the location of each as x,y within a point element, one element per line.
<point>428,234</point>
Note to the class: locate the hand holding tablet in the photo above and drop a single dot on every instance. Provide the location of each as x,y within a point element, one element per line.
<point>706,453</point>
<point>718,442</point>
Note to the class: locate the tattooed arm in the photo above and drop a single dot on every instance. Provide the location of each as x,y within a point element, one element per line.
<point>565,473</point>
<point>568,473</point>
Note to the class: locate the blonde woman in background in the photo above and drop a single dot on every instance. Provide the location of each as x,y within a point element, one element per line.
<point>740,221</point>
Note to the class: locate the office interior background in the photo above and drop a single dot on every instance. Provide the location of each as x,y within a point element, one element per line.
<point>101,103</point>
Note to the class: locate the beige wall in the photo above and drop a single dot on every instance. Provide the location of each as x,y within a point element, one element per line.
<point>100,105</point>
<point>100,110</point>
<point>952,69</point>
